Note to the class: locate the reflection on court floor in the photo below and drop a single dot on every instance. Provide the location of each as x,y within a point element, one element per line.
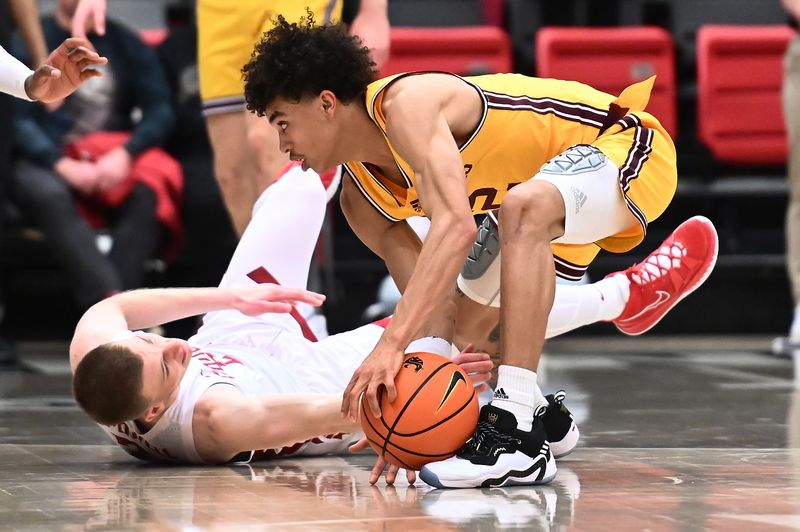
<point>707,437</point>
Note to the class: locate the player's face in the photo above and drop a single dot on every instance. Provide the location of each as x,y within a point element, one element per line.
<point>306,131</point>
<point>165,362</point>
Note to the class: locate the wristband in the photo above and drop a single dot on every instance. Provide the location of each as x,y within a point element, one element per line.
<point>13,74</point>
<point>430,344</point>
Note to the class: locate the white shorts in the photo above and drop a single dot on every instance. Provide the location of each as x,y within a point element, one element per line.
<point>594,206</point>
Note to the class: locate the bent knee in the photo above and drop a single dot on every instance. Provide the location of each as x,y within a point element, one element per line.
<point>536,207</point>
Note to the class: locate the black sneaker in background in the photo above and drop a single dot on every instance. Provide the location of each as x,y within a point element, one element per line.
<point>559,425</point>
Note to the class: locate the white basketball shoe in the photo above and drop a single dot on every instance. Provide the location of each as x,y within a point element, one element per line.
<point>498,454</point>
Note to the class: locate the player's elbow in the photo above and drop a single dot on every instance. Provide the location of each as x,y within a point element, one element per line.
<point>462,231</point>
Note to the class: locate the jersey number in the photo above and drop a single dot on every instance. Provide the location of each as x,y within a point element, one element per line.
<point>489,195</point>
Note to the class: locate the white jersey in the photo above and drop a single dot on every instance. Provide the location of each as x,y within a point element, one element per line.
<point>268,354</point>
<point>283,363</point>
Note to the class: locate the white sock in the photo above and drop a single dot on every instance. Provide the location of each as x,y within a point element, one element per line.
<point>578,305</point>
<point>431,344</point>
<point>615,291</point>
<point>518,393</point>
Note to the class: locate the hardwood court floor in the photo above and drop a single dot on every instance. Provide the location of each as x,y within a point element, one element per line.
<point>677,434</point>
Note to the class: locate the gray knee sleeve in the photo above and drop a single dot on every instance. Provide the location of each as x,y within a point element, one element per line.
<point>594,206</point>
<point>480,277</point>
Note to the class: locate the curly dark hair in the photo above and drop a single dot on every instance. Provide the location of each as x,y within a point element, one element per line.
<point>297,60</point>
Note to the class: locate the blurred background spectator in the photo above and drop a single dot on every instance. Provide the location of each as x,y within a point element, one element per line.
<point>26,17</point>
<point>732,164</point>
<point>791,113</point>
<point>92,162</point>
<point>209,238</point>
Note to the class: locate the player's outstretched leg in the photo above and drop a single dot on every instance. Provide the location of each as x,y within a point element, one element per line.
<point>498,454</point>
<point>670,273</point>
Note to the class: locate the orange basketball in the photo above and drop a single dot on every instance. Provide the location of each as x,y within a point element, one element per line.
<point>434,414</point>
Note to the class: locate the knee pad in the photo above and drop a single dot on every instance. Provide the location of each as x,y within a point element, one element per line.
<point>480,278</point>
<point>578,159</point>
<point>594,206</point>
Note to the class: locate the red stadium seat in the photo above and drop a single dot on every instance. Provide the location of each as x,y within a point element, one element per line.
<point>461,50</point>
<point>739,77</point>
<point>610,59</point>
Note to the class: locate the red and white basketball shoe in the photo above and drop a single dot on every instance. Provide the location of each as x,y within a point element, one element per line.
<point>673,271</point>
<point>330,178</point>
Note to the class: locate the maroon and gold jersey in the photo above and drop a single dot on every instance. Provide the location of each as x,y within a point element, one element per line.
<point>525,122</point>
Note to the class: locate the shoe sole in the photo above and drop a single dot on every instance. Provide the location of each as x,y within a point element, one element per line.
<point>700,280</point>
<point>567,444</point>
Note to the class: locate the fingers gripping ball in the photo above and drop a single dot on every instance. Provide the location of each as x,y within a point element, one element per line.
<point>434,414</point>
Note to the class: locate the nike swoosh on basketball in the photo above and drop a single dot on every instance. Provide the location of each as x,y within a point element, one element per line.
<point>663,297</point>
<point>454,380</point>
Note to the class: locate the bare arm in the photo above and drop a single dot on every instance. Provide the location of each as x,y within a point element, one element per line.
<point>26,16</point>
<point>419,127</point>
<point>419,130</point>
<point>399,247</point>
<point>226,422</point>
<point>394,242</point>
<point>141,309</point>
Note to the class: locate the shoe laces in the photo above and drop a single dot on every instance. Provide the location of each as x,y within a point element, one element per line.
<point>658,264</point>
<point>485,438</point>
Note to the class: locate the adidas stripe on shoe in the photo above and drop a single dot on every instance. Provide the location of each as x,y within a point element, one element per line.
<point>497,455</point>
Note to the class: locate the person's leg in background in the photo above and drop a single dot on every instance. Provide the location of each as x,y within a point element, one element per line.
<point>7,353</point>
<point>208,236</point>
<point>226,37</point>
<point>46,199</point>
<point>247,157</point>
<point>791,110</point>
<point>234,165</point>
<point>136,236</point>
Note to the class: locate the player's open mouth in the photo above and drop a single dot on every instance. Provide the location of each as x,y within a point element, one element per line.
<point>301,159</point>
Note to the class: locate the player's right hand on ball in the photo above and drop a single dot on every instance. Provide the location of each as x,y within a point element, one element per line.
<point>378,369</point>
<point>380,466</point>
<point>268,297</point>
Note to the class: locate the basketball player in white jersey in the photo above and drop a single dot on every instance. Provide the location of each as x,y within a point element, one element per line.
<point>253,383</point>
<point>252,379</point>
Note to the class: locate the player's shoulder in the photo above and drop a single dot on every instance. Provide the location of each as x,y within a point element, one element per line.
<point>423,90</point>
<point>217,396</point>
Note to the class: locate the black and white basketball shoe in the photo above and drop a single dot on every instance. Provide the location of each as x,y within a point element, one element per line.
<point>559,425</point>
<point>498,454</point>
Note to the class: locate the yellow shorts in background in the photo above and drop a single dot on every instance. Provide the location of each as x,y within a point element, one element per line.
<point>227,32</point>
